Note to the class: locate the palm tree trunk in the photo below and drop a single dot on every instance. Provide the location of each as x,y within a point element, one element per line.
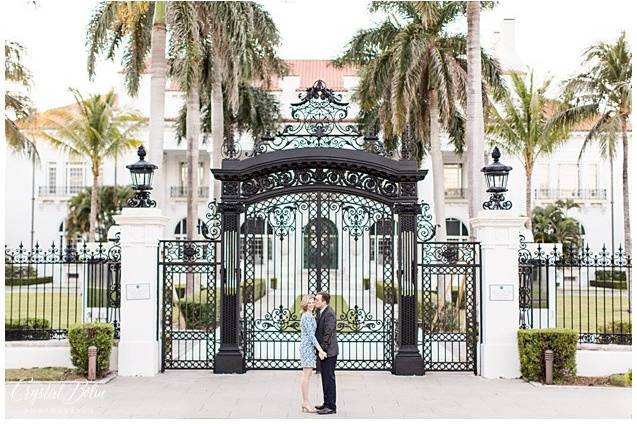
<point>475,113</point>
<point>93,215</point>
<point>626,191</point>
<point>217,124</point>
<point>529,173</point>
<point>437,167</point>
<point>192,172</point>
<point>157,99</point>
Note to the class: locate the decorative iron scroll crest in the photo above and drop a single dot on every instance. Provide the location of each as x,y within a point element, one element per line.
<point>211,228</point>
<point>425,229</point>
<point>572,257</point>
<point>279,319</point>
<point>318,176</point>
<point>319,121</point>
<point>357,319</point>
<point>497,201</point>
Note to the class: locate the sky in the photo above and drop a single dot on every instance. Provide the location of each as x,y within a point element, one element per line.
<point>550,36</point>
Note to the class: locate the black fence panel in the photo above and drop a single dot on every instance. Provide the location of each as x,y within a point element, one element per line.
<point>589,292</point>
<point>48,290</point>
<point>449,275</point>
<point>188,274</point>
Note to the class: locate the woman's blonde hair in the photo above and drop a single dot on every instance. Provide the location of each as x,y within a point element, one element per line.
<point>305,301</point>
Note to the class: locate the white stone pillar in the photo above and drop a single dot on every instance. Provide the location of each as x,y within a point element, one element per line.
<point>498,233</point>
<point>138,349</point>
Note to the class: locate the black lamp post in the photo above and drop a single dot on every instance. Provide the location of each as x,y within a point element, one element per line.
<point>497,175</point>
<point>142,176</point>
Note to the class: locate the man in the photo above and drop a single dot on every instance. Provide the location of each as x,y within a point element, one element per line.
<point>326,336</point>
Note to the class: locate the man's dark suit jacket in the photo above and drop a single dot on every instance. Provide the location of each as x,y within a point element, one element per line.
<point>326,331</point>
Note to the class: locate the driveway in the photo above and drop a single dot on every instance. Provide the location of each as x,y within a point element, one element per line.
<point>275,394</point>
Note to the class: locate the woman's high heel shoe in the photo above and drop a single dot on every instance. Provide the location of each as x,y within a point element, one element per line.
<point>306,409</point>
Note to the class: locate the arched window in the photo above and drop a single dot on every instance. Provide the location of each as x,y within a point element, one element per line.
<point>456,230</point>
<point>380,239</point>
<point>256,227</point>
<point>180,229</point>
<point>327,255</point>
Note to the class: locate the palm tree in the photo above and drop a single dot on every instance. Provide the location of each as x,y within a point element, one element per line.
<point>414,80</point>
<point>139,28</point>
<point>521,125</point>
<point>257,113</point>
<point>17,105</point>
<point>110,200</point>
<point>475,112</point>
<point>552,225</point>
<point>241,43</point>
<point>603,93</point>
<point>97,131</point>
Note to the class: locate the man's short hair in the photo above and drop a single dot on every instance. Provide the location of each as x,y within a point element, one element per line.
<point>325,296</point>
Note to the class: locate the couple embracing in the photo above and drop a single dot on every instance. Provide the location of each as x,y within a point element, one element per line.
<point>318,336</point>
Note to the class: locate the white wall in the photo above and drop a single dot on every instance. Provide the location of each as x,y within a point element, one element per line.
<point>602,360</point>
<point>49,353</point>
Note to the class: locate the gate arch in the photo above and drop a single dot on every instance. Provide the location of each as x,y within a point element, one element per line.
<point>317,175</point>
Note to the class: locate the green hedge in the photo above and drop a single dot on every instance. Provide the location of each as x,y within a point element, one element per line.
<point>610,275</point>
<point>533,342</point>
<point>12,327</point>
<point>366,284</point>
<point>615,327</point>
<point>610,284</point>
<point>380,293</point>
<point>197,315</point>
<point>260,288</point>
<point>97,334</point>
<point>27,281</point>
<point>274,283</point>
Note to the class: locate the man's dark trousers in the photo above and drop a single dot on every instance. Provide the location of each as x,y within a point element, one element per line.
<point>328,380</point>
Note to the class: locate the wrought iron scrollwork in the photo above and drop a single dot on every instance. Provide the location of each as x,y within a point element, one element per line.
<point>319,121</point>
<point>211,228</point>
<point>141,199</point>
<point>425,228</point>
<point>497,201</point>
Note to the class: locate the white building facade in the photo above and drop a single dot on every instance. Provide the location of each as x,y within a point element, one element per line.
<point>37,194</point>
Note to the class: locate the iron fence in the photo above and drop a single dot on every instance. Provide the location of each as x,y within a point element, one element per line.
<point>48,290</point>
<point>578,289</point>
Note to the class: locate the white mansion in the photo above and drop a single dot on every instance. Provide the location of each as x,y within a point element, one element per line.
<point>37,195</point>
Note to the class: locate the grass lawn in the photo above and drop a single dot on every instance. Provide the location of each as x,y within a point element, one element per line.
<point>60,309</point>
<point>583,314</point>
<point>43,374</point>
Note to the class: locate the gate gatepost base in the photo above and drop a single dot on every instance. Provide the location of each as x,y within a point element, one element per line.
<point>229,361</point>
<point>408,361</point>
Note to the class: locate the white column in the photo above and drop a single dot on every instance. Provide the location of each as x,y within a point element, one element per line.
<point>498,232</point>
<point>138,350</point>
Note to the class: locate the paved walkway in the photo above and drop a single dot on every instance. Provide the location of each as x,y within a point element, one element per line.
<point>275,394</point>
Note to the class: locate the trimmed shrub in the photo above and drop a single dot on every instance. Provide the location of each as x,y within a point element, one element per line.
<point>366,284</point>
<point>274,283</point>
<point>27,281</point>
<point>27,329</point>
<point>260,289</point>
<point>610,275</point>
<point>615,327</point>
<point>83,335</point>
<point>440,318</point>
<point>610,284</point>
<point>181,292</point>
<point>386,297</point>
<point>533,342</point>
<point>197,315</point>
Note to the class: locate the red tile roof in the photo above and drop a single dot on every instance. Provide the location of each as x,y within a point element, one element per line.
<point>311,70</point>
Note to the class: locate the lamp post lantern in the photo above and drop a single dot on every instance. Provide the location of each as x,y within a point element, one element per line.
<point>497,175</point>
<point>142,177</point>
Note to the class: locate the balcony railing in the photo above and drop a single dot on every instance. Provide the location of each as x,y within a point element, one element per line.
<point>454,193</point>
<point>180,191</point>
<point>581,194</point>
<point>60,191</point>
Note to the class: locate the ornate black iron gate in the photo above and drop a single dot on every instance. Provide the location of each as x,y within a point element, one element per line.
<point>307,242</point>
<point>318,206</point>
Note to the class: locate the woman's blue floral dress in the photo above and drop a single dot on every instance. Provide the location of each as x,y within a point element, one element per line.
<point>308,340</point>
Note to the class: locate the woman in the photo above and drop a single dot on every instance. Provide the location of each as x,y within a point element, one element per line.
<point>308,346</point>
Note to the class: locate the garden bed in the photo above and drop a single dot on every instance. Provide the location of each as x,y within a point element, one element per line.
<point>52,375</point>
